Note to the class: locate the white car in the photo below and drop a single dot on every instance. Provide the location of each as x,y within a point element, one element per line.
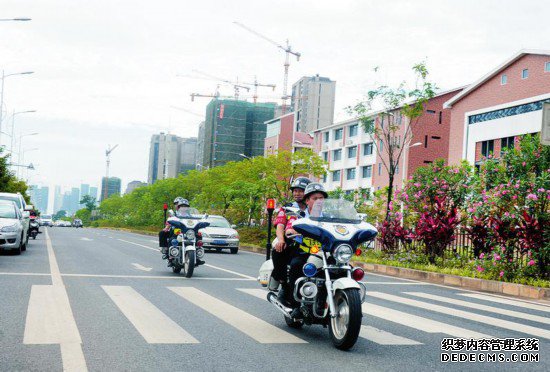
<point>11,227</point>
<point>23,208</point>
<point>220,235</point>
<point>46,220</point>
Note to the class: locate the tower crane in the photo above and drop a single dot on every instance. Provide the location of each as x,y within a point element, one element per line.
<point>287,49</point>
<point>108,156</point>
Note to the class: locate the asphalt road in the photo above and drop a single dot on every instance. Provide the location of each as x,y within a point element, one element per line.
<point>105,301</point>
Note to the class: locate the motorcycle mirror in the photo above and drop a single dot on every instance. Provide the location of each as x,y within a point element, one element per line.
<point>302,214</point>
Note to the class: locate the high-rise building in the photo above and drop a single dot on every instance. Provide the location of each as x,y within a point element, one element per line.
<point>57,199</point>
<point>134,185</point>
<point>167,154</point>
<point>200,145</point>
<point>93,192</point>
<point>39,198</point>
<point>188,154</point>
<point>75,199</point>
<point>84,189</point>
<point>313,103</point>
<point>109,187</point>
<point>233,129</point>
<point>66,205</point>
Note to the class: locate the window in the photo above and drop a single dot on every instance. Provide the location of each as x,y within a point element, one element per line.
<point>325,156</point>
<point>440,117</point>
<point>353,130</point>
<point>367,171</point>
<point>525,73</point>
<point>324,178</point>
<point>367,148</point>
<point>507,143</point>
<point>327,136</point>
<point>436,137</point>
<point>337,155</point>
<point>503,79</point>
<point>350,173</point>
<point>487,148</point>
<point>547,67</point>
<point>381,146</point>
<point>379,169</point>
<point>336,175</point>
<point>338,134</point>
<point>352,152</point>
<point>426,142</point>
<point>430,111</point>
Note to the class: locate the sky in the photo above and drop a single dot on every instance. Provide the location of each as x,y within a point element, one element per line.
<point>110,72</point>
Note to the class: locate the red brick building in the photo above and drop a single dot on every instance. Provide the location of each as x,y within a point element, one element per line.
<point>502,105</point>
<point>280,135</point>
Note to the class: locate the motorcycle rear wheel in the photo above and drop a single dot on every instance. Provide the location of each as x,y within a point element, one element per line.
<point>344,328</point>
<point>189,264</point>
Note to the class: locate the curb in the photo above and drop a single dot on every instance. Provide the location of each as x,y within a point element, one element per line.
<point>493,286</point>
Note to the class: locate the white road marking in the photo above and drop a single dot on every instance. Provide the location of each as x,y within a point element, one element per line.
<point>140,267</point>
<point>393,283</point>
<point>256,328</point>
<point>25,274</point>
<point>139,245</point>
<point>418,322</point>
<point>256,292</point>
<point>154,241</point>
<point>231,272</point>
<point>385,338</point>
<point>506,301</point>
<point>155,326</point>
<point>464,314</point>
<point>473,305</point>
<point>86,239</point>
<point>149,277</point>
<point>50,319</point>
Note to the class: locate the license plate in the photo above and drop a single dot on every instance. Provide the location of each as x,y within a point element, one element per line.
<point>220,242</point>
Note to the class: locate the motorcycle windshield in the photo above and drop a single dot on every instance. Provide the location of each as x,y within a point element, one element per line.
<point>189,213</point>
<point>334,210</point>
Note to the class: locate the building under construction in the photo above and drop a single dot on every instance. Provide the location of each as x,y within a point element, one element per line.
<point>234,128</point>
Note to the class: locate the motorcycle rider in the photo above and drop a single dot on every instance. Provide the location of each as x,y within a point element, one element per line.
<point>281,254</point>
<point>313,192</point>
<point>164,234</point>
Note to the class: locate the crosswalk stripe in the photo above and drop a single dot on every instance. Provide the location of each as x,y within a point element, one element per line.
<point>500,300</point>
<point>385,338</point>
<point>464,314</point>
<point>155,326</point>
<point>256,292</point>
<point>473,305</point>
<point>420,323</point>
<point>256,328</point>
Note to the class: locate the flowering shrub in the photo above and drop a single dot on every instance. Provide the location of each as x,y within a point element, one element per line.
<point>391,233</point>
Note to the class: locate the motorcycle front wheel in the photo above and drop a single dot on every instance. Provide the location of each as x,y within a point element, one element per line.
<point>189,264</point>
<point>345,326</point>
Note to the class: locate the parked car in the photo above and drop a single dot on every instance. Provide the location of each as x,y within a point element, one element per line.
<point>46,220</point>
<point>12,233</point>
<point>77,223</point>
<point>23,208</point>
<point>220,235</point>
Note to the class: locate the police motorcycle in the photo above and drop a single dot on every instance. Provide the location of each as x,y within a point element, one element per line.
<point>34,228</point>
<point>185,251</point>
<point>330,292</point>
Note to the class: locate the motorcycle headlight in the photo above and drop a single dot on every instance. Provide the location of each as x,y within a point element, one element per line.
<point>190,235</point>
<point>343,253</point>
<point>174,252</point>
<point>12,228</point>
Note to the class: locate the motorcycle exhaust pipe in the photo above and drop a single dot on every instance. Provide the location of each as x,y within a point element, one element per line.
<point>272,297</point>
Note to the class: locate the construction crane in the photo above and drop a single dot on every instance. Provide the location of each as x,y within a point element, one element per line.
<point>239,84</point>
<point>287,49</point>
<point>108,156</point>
<point>235,84</point>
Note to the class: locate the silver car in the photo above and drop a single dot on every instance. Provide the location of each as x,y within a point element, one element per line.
<point>11,227</point>
<point>220,235</point>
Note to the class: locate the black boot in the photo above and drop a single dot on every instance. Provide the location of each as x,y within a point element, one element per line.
<point>284,295</point>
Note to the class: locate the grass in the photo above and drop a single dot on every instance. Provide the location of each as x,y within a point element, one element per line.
<point>459,267</point>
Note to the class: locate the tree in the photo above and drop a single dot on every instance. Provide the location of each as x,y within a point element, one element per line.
<point>60,214</point>
<point>8,182</point>
<point>88,201</point>
<point>390,132</point>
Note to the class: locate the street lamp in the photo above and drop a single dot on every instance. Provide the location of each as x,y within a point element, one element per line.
<point>20,140</point>
<point>13,124</point>
<point>4,76</point>
<point>15,19</point>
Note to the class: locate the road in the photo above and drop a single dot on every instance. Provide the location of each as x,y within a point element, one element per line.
<point>102,300</point>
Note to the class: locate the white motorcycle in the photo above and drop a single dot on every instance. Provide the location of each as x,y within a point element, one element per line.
<point>185,250</point>
<point>330,292</point>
